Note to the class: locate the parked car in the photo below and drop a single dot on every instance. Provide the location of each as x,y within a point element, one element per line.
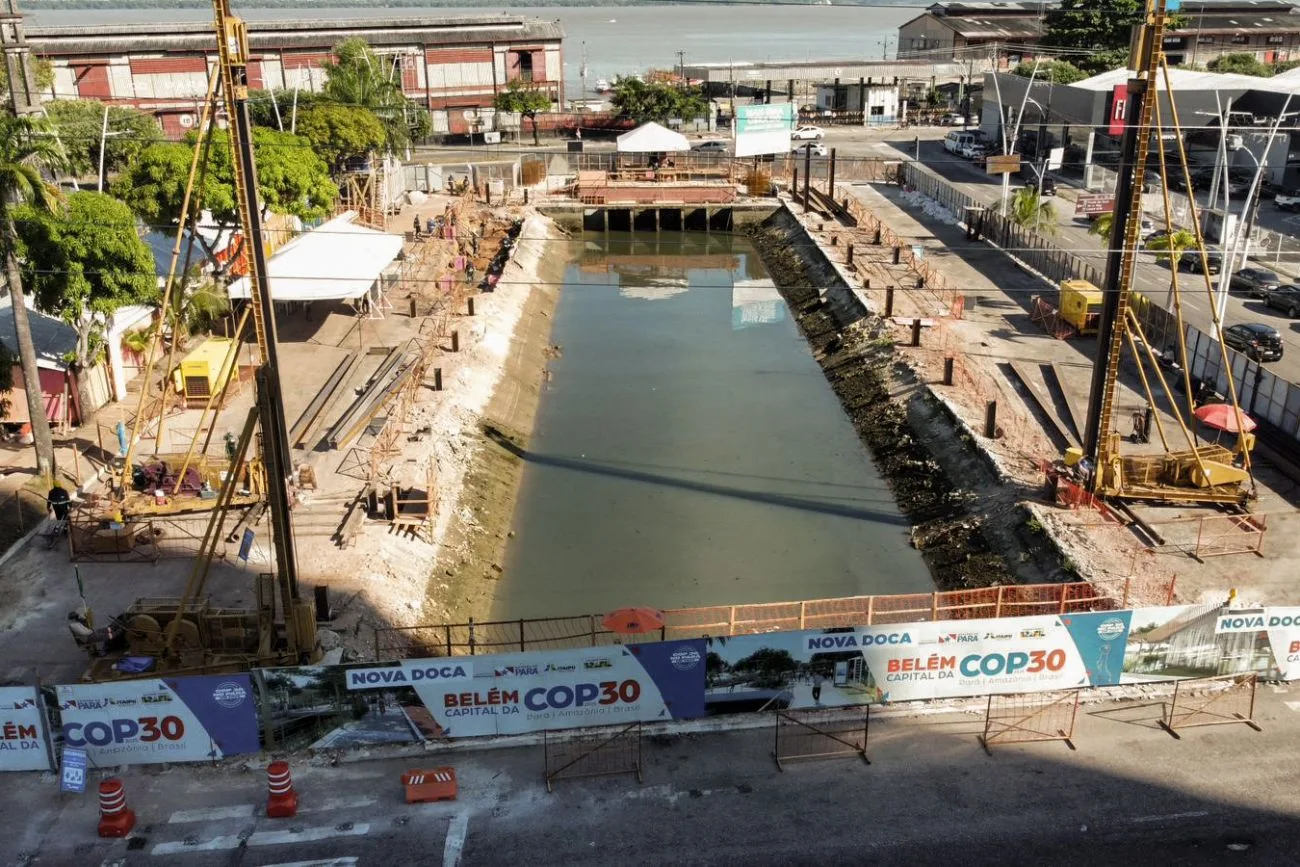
<point>1260,342</point>
<point>712,146</point>
<point>1287,201</point>
<point>953,119</point>
<point>1256,282</point>
<point>816,148</point>
<point>1191,261</point>
<point>808,133</point>
<point>973,150</point>
<point>1285,298</point>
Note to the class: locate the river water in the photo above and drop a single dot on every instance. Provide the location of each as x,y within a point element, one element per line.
<point>620,40</point>
<point>688,450</point>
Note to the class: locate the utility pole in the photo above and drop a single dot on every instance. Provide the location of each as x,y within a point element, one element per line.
<point>25,101</point>
<point>681,68</point>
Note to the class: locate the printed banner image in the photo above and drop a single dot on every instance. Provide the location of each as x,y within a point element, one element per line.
<point>183,719</point>
<point>22,731</point>
<point>835,668</point>
<point>431,699</point>
<point>1182,641</point>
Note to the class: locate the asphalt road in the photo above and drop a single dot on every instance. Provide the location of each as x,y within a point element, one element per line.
<point>1129,794</point>
<point>1150,277</point>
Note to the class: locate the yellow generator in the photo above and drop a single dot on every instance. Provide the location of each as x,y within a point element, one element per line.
<point>1081,305</point>
<point>205,371</point>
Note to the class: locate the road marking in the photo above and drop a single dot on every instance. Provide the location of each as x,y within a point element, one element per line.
<point>306,835</point>
<point>349,802</point>
<point>176,847</point>
<point>455,840</point>
<point>350,861</point>
<point>211,814</point>
<point>1193,814</point>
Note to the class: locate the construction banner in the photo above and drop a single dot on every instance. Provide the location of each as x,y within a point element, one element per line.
<point>24,743</point>
<point>910,662</point>
<point>469,696</point>
<point>183,719</point>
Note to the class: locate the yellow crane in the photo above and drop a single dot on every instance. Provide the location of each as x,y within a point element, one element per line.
<point>185,634</point>
<point>1189,471</point>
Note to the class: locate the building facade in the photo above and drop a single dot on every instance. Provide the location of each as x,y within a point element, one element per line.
<point>1267,29</point>
<point>453,66</point>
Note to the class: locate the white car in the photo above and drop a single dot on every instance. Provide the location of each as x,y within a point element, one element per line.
<point>816,148</point>
<point>973,151</point>
<point>808,133</point>
<point>713,145</point>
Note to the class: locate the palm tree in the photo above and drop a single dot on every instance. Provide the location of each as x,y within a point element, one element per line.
<point>1031,211</point>
<point>1171,246</point>
<point>27,146</point>
<point>1101,227</point>
<point>362,78</point>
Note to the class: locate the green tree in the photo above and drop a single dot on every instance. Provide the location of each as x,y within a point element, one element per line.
<point>642,102</point>
<point>27,147</point>
<point>79,123</point>
<point>1239,63</point>
<point>1099,30</point>
<point>339,132</point>
<point>1053,71</point>
<point>1101,227</point>
<point>292,179</point>
<point>360,77</point>
<point>1170,247</point>
<point>275,108</point>
<point>524,100</point>
<point>83,262</point>
<point>1031,211</point>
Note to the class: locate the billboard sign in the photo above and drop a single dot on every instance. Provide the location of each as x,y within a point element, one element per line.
<point>918,661</point>
<point>1002,164</point>
<point>183,719</point>
<point>1118,110</point>
<point>23,741</point>
<point>764,129</point>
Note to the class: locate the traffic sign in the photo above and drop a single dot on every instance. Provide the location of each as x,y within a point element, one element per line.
<point>1001,164</point>
<point>73,778</point>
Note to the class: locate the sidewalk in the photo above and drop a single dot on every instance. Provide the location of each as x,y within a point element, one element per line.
<point>930,793</point>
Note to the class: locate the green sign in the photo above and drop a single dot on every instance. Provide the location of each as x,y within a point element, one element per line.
<point>764,118</point>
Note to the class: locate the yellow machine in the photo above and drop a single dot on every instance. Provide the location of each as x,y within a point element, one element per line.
<point>1081,305</point>
<point>206,371</point>
<point>1185,469</point>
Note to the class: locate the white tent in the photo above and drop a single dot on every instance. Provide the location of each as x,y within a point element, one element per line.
<point>338,260</point>
<point>652,138</point>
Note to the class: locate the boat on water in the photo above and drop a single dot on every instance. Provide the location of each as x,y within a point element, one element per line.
<point>602,86</point>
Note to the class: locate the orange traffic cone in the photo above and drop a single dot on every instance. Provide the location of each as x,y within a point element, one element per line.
<point>115,818</point>
<point>282,802</point>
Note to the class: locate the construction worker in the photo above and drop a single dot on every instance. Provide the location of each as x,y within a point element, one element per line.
<point>417,227</point>
<point>60,502</point>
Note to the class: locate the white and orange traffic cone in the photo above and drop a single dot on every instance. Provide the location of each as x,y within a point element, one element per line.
<point>282,800</point>
<point>115,818</point>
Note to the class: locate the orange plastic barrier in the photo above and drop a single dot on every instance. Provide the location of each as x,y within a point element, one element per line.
<point>422,786</point>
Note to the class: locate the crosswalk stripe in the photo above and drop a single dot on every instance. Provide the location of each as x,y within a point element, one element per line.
<point>306,835</point>
<point>210,814</point>
<point>327,862</point>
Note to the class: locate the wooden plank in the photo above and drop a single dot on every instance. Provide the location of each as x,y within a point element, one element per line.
<point>1041,400</point>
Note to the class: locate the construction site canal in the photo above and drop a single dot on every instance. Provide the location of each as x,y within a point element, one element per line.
<point>688,449</point>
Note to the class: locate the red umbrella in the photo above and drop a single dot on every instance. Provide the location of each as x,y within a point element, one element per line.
<point>1221,416</point>
<point>631,621</point>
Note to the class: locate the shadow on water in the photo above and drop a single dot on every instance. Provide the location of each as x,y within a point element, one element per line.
<point>604,469</point>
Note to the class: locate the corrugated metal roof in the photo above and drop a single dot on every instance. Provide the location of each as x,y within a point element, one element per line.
<point>53,338</point>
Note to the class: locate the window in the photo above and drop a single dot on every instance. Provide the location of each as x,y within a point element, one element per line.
<point>1205,40</point>
<point>877,109</point>
<point>1241,39</point>
<point>1275,40</point>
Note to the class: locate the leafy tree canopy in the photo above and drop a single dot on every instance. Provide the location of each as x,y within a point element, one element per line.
<point>263,106</point>
<point>84,261</point>
<point>1099,30</point>
<point>292,178</point>
<point>523,99</point>
<point>642,102</point>
<point>1240,63</point>
<point>1031,211</point>
<point>339,132</point>
<point>79,123</point>
<point>359,77</point>
<point>1054,71</point>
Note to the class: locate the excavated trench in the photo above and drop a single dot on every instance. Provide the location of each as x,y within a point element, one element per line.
<point>857,358</point>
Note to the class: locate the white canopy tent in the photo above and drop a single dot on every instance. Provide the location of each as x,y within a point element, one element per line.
<point>652,138</point>
<point>337,261</point>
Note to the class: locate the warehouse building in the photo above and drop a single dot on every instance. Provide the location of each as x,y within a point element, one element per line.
<point>454,66</point>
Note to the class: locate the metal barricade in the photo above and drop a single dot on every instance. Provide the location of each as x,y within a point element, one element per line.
<point>603,754</point>
<point>1029,717</point>
<point>821,734</point>
<point>1212,701</point>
